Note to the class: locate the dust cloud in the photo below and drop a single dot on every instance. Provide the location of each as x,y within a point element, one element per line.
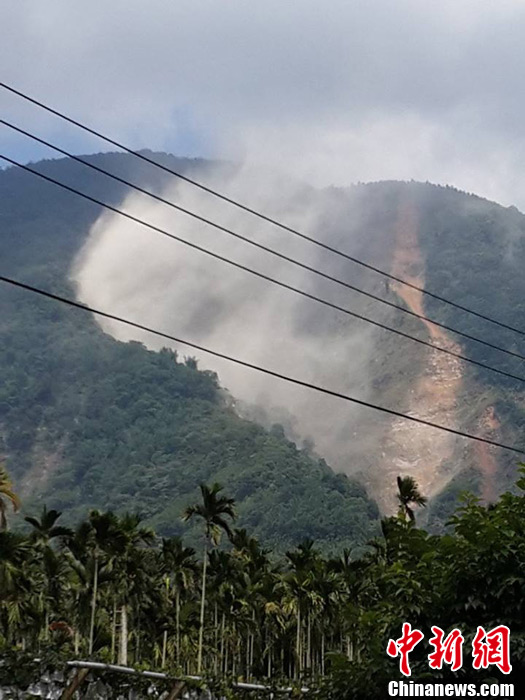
<point>148,278</point>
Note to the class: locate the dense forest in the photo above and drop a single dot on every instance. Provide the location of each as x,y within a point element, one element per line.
<point>287,573</point>
<point>67,389</point>
<point>138,429</point>
<point>87,421</point>
<point>111,590</point>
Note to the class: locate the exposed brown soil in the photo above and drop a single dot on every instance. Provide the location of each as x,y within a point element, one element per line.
<point>409,448</point>
<point>485,454</point>
<point>416,450</point>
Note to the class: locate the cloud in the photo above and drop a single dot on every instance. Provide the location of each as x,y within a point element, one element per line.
<point>338,92</point>
<point>329,93</point>
<point>158,282</point>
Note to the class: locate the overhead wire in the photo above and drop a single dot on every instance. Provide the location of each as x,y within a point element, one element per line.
<point>250,365</point>
<point>260,215</point>
<point>245,268</point>
<point>256,244</point>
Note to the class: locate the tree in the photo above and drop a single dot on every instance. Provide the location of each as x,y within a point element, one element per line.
<point>408,493</point>
<point>92,545</point>
<point>20,586</point>
<point>178,566</point>
<point>279,618</point>
<point>45,528</point>
<point>130,568</point>
<point>213,510</point>
<point>6,492</point>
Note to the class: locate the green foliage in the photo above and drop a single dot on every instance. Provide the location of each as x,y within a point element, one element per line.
<point>112,425</point>
<point>305,618</point>
<point>408,493</point>
<point>90,422</point>
<point>21,669</point>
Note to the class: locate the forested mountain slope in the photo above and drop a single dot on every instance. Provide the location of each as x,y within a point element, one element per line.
<point>90,421</point>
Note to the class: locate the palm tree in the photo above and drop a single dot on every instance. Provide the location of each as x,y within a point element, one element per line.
<point>178,566</point>
<point>299,598</point>
<point>46,528</point>
<point>103,536</point>
<point>6,491</point>
<point>225,571</point>
<point>212,511</point>
<point>54,565</point>
<point>91,547</point>
<point>20,584</point>
<point>130,563</point>
<point>408,493</point>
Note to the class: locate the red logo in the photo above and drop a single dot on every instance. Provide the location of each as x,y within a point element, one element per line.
<point>403,646</point>
<point>449,650</point>
<point>492,648</point>
<point>488,648</point>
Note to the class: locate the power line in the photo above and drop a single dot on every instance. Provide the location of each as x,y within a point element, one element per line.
<point>249,365</point>
<point>240,266</point>
<point>258,214</point>
<point>239,236</point>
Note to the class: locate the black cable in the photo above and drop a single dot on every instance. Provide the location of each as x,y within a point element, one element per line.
<point>258,214</point>
<point>266,249</point>
<point>239,236</point>
<point>258,368</point>
<point>261,275</point>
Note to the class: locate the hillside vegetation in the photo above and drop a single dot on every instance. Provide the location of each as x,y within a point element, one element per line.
<point>111,591</point>
<point>87,421</point>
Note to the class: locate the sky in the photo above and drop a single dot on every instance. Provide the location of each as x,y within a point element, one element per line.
<point>331,93</point>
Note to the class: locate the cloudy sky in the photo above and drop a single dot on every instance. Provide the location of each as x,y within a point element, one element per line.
<point>332,92</point>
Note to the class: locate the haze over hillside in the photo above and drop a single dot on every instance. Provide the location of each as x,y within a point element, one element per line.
<point>87,421</point>
<point>417,232</point>
<point>454,244</point>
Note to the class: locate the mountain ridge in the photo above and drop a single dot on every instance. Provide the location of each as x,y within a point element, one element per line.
<point>448,223</point>
<point>88,421</point>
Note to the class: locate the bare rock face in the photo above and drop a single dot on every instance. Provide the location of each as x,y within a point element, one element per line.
<point>437,393</point>
<point>412,449</point>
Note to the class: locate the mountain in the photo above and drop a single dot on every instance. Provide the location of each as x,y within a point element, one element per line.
<point>89,419</point>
